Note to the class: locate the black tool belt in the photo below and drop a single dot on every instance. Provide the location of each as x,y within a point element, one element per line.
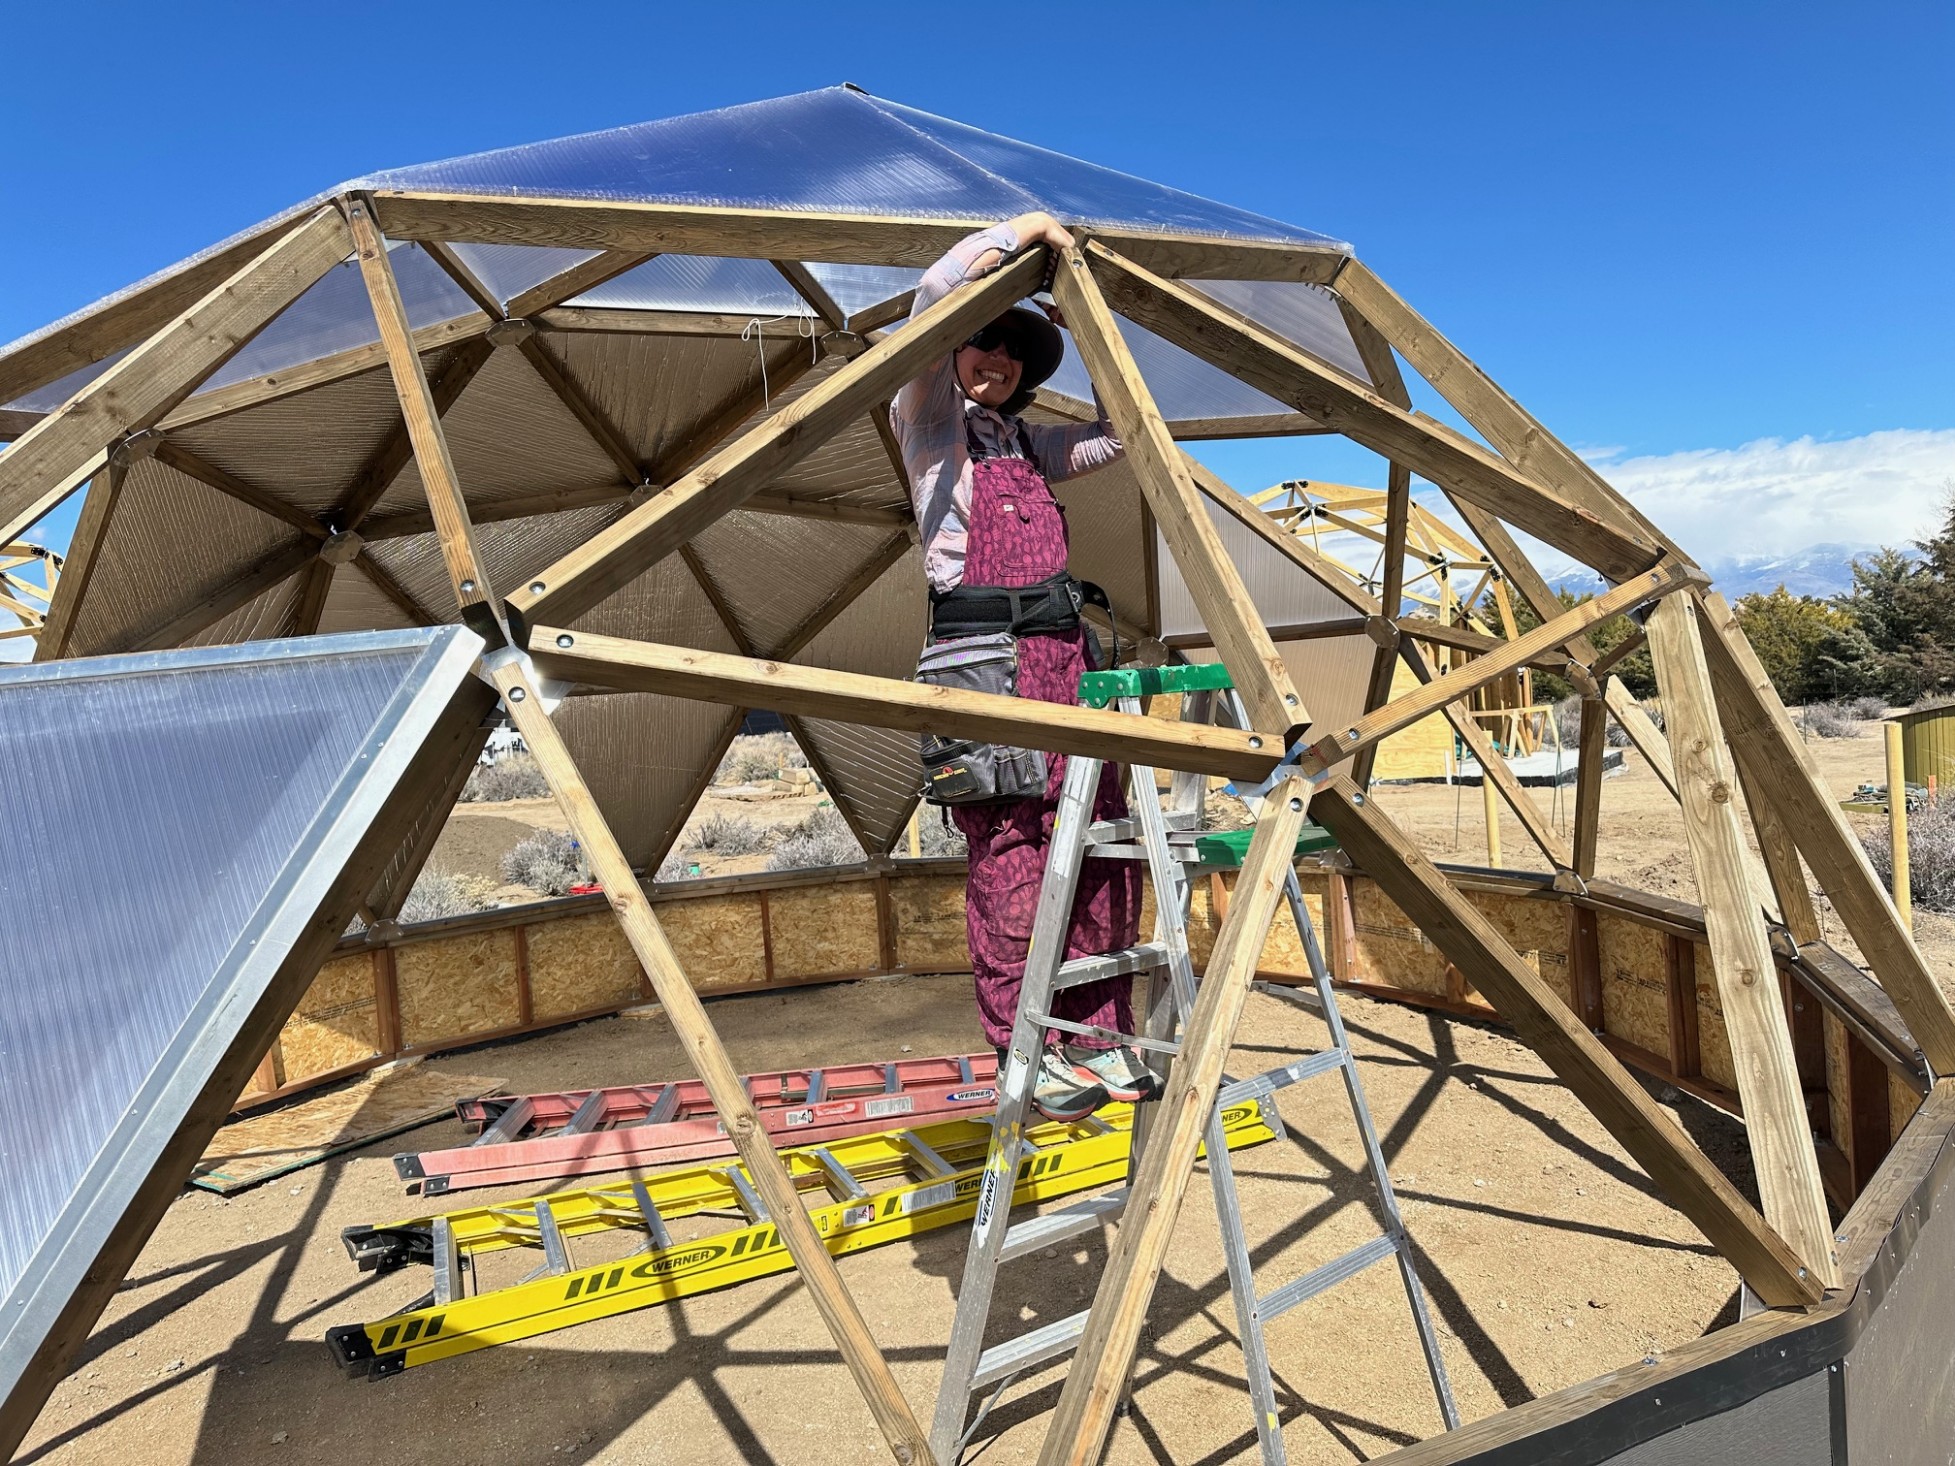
<point>983,610</point>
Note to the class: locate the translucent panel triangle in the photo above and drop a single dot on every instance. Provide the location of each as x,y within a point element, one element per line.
<point>189,821</point>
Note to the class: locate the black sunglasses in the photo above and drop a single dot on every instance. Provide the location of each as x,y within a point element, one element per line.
<point>990,337</point>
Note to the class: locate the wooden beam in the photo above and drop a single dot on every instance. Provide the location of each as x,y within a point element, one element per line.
<point>315,583</point>
<point>1621,652</point>
<point>887,554</point>
<point>1448,688</point>
<point>38,471</point>
<point>473,593</point>
<point>396,450</point>
<point>883,702</point>
<point>882,313</point>
<point>1222,600</point>
<point>1493,767</point>
<point>615,321</point>
<point>1783,876</point>
<point>191,465</point>
<point>1754,1015</point>
<point>627,548</point>
<point>1774,760</point>
<point>580,277</point>
<point>1272,365</point>
<point>78,568</point>
<point>813,292</point>
<point>1102,1365</point>
<point>687,1015</point>
<point>1543,1021</point>
<point>241,589</point>
<point>600,428</point>
<point>1680,1003</point>
<point>1590,753</point>
<point>132,316</point>
<point>1503,422</point>
<point>1325,572</point>
<point>456,269</point>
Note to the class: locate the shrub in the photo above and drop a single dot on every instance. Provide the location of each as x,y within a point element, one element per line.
<point>438,893</point>
<point>513,776</point>
<point>1829,720</point>
<point>1930,853</point>
<point>1654,707</point>
<point>1868,709</point>
<point>938,836</point>
<point>759,756</point>
<point>1568,719</point>
<point>726,834</point>
<point>673,868</point>
<point>548,862</point>
<point>823,838</point>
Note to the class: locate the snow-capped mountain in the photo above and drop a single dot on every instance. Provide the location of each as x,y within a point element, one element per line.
<point>1817,570</point>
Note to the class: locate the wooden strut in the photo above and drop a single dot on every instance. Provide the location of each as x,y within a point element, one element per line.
<point>1391,597</point>
<point>1544,1022</point>
<point>65,448</point>
<point>608,861</point>
<point>1782,1151</point>
<point>625,549</point>
<point>1103,1362</point>
<point>1213,582</point>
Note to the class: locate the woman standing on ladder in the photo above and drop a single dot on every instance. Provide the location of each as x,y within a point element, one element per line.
<point>979,479</point>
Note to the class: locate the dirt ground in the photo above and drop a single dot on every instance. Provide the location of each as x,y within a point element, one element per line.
<point>1547,1256</point>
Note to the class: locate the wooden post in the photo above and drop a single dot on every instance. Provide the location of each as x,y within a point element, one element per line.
<point>1680,995</point>
<point>1273,703</point>
<point>1490,805</point>
<point>1104,1360</point>
<point>709,1058</point>
<point>1391,597</point>
<point>1542,1021</point>
<point>61,450</point>
<point>84,549</point>
<point>1754,1015</point>
<point>1585,966</point>
<point>1774,758</point>
<point>1589,755</point>
<point>1897,825</point>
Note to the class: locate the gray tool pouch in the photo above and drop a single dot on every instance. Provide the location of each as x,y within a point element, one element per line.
<point>955,770</point>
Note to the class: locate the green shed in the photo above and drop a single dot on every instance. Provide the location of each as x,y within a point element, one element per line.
<point>1928,746</point>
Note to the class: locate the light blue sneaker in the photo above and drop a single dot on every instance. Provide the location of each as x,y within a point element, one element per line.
<point>1119,1071</point>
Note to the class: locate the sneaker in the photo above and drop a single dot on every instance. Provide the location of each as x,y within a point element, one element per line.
<point>1119,1071</point>
<point>1060,1093</point>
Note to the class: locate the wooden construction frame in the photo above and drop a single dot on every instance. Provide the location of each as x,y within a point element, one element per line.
<point>185,327</point>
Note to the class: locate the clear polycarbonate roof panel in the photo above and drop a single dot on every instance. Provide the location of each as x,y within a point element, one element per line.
<point>857,287</point>
<point>700,283</point>
<point>510,269</point>
<point>334,315</point>
<point>1298,312</point>
<point>1184,386</point>
<point>835,150</point>
<point>187,813</point>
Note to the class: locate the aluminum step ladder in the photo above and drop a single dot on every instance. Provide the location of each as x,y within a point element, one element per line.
<point>1171,842</point>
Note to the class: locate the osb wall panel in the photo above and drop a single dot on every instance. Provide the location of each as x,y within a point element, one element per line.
<point>456,986</point>
<point>928,912</point>
<point>1535,928</point>
<point>1712,1037</point>
<point>1422,751</point>
<point>1391,950</point>
<point>819,930</point>
<point>1902,1102</point>
<point>336,1022</point>
<point>1838,1124</point>
<point>1635,983</point>
<point>579,963</point>
<point>719,940</point>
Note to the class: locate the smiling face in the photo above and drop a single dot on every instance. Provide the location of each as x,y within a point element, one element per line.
<point>987,377</point>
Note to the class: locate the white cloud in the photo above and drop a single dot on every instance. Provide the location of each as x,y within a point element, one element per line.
<point>1774,497</point>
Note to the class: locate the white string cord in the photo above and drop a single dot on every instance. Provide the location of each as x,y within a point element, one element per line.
<point>756,331</point>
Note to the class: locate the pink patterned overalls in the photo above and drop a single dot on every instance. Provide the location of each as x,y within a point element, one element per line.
<point>1018,538</point>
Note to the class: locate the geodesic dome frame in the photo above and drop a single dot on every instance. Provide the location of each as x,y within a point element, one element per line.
<point>658,519</point>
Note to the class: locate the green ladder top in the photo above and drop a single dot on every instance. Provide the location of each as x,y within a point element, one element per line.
<point>1097,689</point>
<point>1224,849</point>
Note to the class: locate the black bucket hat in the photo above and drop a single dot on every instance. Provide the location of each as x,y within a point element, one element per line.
<point>1039,348</point>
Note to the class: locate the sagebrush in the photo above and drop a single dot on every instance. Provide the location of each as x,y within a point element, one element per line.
<point>548,862</point>
<point>937,836</point>
<point>823,838</point>
<point>1930,854</point>
<point>726,834</point>
<point>438,893</point>
<point>755,756</point>
<point>1829,720</point>
<point>512,776</point>
<point>1868,709</point>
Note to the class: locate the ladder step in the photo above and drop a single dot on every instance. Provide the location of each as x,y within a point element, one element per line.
<point>1260,1086</point>
<point>1019,1354</point>
<point>1069,1221</point>
<point>1281,1300</point>
<point>1143,958</point>
<point>1111,1035</point>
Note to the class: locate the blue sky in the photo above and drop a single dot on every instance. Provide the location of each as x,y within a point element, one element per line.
<point>1689,238</point>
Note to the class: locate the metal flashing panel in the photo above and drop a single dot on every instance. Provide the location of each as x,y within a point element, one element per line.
<point>182,822</point>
